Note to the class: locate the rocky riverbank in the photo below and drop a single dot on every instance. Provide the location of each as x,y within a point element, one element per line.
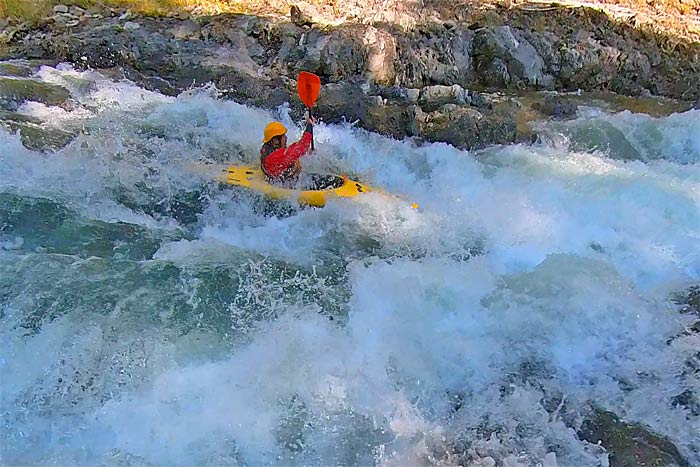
<point>453,77</point>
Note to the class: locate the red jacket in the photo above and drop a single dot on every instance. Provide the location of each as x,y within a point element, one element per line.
<point>277,162</point>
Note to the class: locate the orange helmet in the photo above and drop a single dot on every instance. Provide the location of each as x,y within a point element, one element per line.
<point>273,129</point>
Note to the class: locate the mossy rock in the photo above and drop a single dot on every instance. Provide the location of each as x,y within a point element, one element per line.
<point>20,90</point>
<point>630,444</point>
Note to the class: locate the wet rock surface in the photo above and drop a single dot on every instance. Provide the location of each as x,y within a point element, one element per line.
<point>18,68</point>
<point>14,91</point>
<point>556,106</point>
<point>689,300</point>
<point>629,444</point>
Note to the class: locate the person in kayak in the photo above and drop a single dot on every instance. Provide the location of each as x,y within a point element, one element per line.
<point>280,163</point>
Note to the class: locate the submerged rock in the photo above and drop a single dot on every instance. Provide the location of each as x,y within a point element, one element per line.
<point>688,400</point>
<point>44,139</point>
<point>33,134</point>
<point>689,300</point>
<point>15,91</point>
<point>16,69</point>
<point>629,444</point>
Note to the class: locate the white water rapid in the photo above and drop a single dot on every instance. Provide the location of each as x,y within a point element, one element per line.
<point>150,317</point>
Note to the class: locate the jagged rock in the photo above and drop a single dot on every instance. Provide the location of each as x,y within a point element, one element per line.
<point>479,101</point>
<point>252,58</point>
<point>127,15</point>
<point>398,95</point>
<point>246,45</point>
<point>337,55</point>
<point>588,61</point>
<point>7,34</point>
<point>342,56</point>
<point>412,95</point>
<point>496,74</point>
<point>629,444</point>
<point>63,19</point>
<point>60,9</point>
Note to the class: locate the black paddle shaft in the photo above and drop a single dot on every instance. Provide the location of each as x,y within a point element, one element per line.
<point>312,133</point>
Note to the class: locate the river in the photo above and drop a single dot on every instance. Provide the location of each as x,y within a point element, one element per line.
<point>150,317</point>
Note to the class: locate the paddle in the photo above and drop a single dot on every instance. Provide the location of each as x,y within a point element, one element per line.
<point>308,87</point>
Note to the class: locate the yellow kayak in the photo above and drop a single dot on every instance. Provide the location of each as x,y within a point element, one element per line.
<point>325,186</point>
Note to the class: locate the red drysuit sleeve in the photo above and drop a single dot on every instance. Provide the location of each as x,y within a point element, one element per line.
<point>280,160</point>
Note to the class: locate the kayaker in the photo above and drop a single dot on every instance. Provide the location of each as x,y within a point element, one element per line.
<point>280,163</point>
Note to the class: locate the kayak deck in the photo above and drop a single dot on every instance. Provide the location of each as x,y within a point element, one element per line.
<point>315,189</point>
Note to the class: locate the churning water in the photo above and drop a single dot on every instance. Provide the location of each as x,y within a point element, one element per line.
<point>150,317</point>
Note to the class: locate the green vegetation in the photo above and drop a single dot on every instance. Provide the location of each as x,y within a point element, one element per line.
<point>679,18</point>
<point>33,10</point>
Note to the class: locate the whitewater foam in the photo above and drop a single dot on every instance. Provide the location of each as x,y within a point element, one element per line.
<point>533,281</point>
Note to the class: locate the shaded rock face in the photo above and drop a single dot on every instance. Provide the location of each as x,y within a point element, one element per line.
<point>341,55</point>
<point>629,444</point>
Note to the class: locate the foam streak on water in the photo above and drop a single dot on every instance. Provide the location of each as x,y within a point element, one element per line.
<point>150,317</point>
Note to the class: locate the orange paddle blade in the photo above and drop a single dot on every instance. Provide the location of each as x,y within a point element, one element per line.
<point>308,85</point>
